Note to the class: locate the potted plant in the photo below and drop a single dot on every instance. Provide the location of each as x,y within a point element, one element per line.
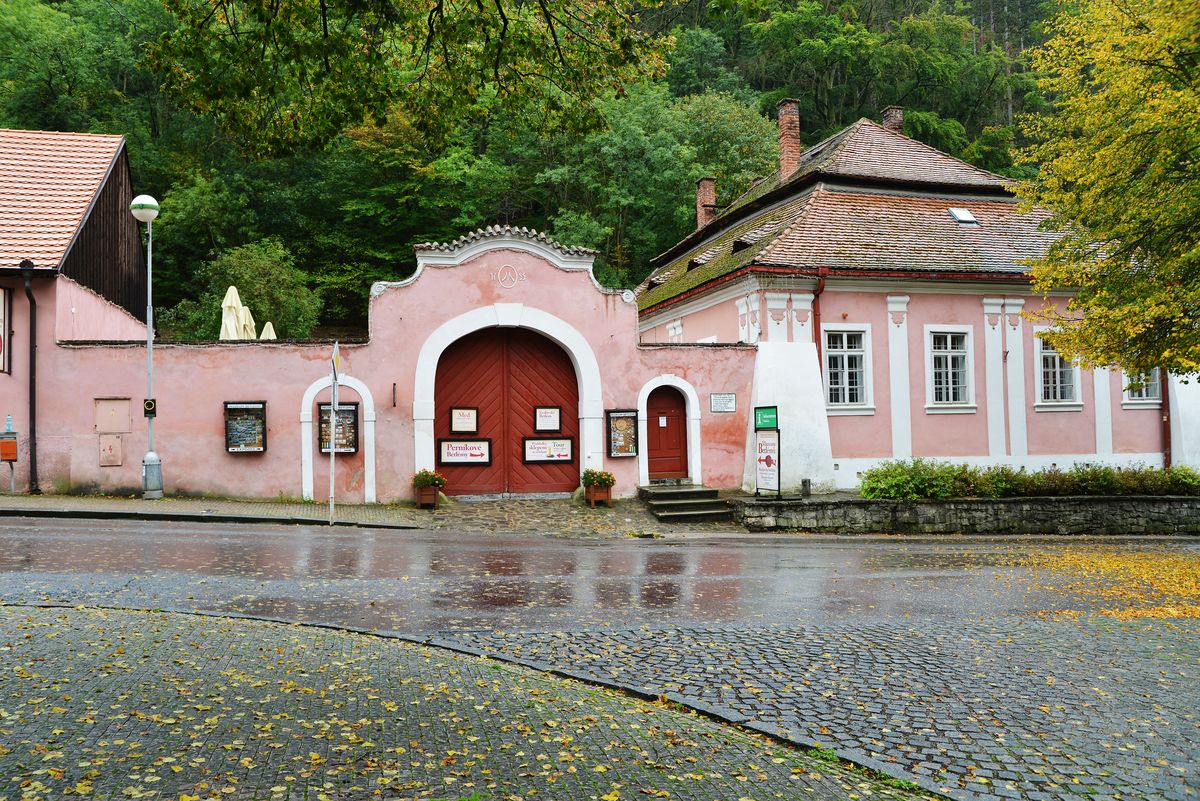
<point>428,484</point>
<point>597,486</point>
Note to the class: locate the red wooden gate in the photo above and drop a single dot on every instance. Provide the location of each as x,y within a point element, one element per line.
<point>666,434</point>
<point>505,373</point>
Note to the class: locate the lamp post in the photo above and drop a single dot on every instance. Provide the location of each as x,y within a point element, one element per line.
<point>145,209</point>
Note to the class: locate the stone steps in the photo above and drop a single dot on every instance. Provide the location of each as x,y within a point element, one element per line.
<point>684,503</point>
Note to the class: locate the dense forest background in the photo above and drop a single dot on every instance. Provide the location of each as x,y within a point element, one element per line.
<point>314,229</point>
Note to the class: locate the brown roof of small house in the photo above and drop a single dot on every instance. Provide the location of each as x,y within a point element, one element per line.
<point>849,230</point>
<point>48,181</point>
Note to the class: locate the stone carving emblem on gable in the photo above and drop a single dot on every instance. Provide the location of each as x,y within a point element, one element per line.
<point>508,276</point>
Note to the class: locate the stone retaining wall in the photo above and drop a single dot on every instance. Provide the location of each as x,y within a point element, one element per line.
<point>1065,515</point>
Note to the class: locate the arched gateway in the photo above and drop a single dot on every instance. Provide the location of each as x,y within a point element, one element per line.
<point>506,414</point>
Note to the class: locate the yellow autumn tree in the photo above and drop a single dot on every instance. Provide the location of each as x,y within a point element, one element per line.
<point>1118,161</point>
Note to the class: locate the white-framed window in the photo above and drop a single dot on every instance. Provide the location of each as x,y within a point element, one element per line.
<point>675,331</point>
<point>1058,380</point>
<point>847,369</point>
<point>949,369</point>
<point>1144,390</point>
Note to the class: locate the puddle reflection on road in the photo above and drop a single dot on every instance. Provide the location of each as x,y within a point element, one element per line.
<point>424,581</point>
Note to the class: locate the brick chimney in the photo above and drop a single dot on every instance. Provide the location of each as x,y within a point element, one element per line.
<point>706,201</point>
<point>893,118</point>
<point>789,138</point>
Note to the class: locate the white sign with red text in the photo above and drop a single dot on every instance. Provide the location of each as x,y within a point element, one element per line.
<point>466,451</point>
<point>766,458</point>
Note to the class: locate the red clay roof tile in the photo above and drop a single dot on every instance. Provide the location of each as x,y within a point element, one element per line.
<point>47,182</point>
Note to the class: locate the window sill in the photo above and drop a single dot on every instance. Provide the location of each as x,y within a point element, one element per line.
<point>950,408</point>
<point>1058,407</point>
<point>1154,404</point>
<point>849,411</point>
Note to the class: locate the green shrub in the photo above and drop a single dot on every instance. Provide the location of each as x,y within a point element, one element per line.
<point>1183,481</point>
<point>927,479</point>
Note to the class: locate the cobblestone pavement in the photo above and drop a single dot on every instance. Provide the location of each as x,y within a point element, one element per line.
<point>1028,709</point>
<point>559,517</point>
<point>128,705</point>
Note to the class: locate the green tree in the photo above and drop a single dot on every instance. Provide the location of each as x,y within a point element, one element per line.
<point>282,75</point>
<point>268,283</point>
<point>1119,170</point>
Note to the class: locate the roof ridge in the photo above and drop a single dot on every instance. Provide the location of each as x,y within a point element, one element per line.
<point>62,133</point>
<point>933,149</point>
<point>495,231</point>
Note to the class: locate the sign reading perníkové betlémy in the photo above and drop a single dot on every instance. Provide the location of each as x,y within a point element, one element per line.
<point>766,449</point>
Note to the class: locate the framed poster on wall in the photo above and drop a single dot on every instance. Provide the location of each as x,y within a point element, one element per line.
<point>347,427</point>
<point>548,449</point>
<point>464,420</point>
<point>622,432</point>
<point>547,419</point>
<point>245,426</point>
<point>465,451</point>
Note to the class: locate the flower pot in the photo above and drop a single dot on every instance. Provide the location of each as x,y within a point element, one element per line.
<point>427,497</point>
<point>595,494</point>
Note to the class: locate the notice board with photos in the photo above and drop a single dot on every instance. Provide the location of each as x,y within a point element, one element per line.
<point>347,427</point>
<point>245,426</point>
<point>622,432</point>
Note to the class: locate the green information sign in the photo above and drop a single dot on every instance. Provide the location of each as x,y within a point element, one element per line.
<point>766,417</point>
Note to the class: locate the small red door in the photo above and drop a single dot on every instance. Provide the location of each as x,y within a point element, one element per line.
<point>666,434</point>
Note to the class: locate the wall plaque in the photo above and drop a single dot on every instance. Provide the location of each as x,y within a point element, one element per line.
<point>465,451</point>
<point>548,449</point>
<point>347,427</point>
<point>464,420</point>
<point>622,432</point>
<point>547,419</point>
<point>722,402</point>
<point>245,426</point>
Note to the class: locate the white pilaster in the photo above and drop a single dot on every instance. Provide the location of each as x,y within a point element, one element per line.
<point>1102,383</point>
<point>754,316</point>
<point>777,317</point>
<point>993,360</point>
<point>898,376</point>
<point>802,317</point>
<point>1184,407</point>
<point>1014,343</point>
<point>743,313</point>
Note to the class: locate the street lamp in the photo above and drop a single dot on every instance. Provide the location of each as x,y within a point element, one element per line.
<point>145,209</point>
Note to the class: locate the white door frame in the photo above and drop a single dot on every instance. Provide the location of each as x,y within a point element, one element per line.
<point>692,402</point>
<point>510,315</point>
<point>306,434</point>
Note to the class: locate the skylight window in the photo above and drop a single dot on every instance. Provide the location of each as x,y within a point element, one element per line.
<point>963,217</point>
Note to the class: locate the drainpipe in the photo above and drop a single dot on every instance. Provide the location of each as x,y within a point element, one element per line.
<point>1165,392</point>
<point>822,272</point>
<point>27,274</point>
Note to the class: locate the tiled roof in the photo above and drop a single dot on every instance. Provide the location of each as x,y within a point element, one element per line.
<point>497,231</point>
<point>47,182</point>
<point>733,249</point>
<point>867,150</point>
<point>850,230</point>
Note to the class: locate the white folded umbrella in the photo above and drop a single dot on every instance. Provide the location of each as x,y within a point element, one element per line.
<point>268,331</point>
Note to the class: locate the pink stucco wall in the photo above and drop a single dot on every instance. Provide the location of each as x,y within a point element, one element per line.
<point>945,434</point>
<point>855,436</point>
<point>1136,429</point>
<point>193,381</point>
<point>81,314</point>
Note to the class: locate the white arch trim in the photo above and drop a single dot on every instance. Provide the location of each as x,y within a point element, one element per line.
<point>693,424</point>
<point>306,434</point>
<point>510,315</point>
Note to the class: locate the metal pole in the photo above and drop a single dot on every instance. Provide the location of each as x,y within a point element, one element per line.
<point>150,322</point>
<point>333,416</point>
<point>152,483</point>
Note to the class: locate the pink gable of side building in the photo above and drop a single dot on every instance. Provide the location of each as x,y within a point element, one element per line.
<point>893,275</point>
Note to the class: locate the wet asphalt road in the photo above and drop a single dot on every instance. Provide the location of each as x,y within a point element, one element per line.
<point>425,582</point>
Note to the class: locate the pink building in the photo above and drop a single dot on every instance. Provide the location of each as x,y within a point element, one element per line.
<point>884,284</point>
<point>873,295</point>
